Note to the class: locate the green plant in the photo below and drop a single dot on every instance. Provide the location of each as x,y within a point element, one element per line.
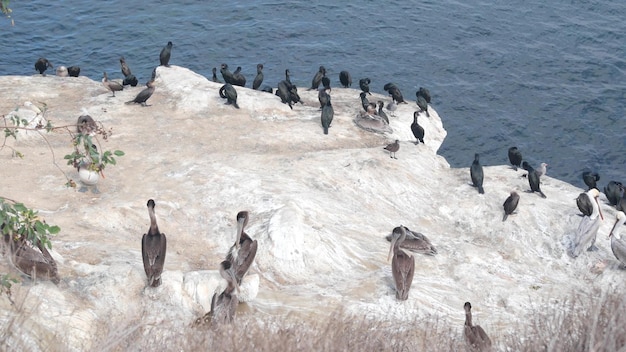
<point>6,282</point>
<point>86,154</point>
<point>22,231</point>
<point>23,224</point>
<point>85,142</point>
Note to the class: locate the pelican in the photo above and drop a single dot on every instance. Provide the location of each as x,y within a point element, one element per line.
<point>589,225</point>
<point>111,85</point>
<point>588,201</point>
<point>153,246</point>
<point>402,264</point>
<point>416,242</point>
<point>32,263</point>
<point>618,245</point>
<point>243,251</point>
<point>475,336</point>
<point>224,304</point>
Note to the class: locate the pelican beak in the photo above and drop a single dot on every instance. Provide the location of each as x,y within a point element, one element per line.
<point>614,227</point>
<point>232,275</point>
<point>394,239</point>
<point>599,209</point>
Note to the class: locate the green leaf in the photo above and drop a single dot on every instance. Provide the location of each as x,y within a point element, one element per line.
<point>54,230</point>
<point>118,153</point>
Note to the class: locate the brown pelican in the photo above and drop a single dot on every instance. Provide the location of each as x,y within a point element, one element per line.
<point>510,204</point>
<point>618,245</point>
<point>402,264</point>
<point>86,125</point>
<point>393,148</point>
<point>416,242</point>
<point>111,85</point>
<point>153,247</point>
<point>35,264</point>
<point>223,305</point>
<point>475,336</point>
<point>589,225</point>
<point>243,251</point>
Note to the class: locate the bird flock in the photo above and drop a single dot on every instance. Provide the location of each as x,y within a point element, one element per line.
<point>404,242</point>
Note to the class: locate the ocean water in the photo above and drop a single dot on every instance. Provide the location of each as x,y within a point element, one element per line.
<point>546,77</point>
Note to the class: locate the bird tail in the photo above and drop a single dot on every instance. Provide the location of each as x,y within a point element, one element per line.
<point>542,195</point>
<point>129,102</point>
<point>427,114</point>
<point>325,130</point>
<point>505,216</point>
<point>481,190</point>
<point>235,105</point>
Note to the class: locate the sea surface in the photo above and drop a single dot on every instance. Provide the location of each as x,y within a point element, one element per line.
<point>547,77</point>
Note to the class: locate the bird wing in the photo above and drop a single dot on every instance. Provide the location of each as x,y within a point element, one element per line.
<point>159,259</point>
<point>246,256</point>
<point>144,253</point>
<point>618,246</point>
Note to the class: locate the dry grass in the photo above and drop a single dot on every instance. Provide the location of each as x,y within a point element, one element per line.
<point>580,323</point>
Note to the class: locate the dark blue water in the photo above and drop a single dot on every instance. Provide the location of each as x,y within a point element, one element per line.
<point>547,77</point>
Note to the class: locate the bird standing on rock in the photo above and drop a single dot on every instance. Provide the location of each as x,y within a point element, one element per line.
<point>42,65</point>
<point>327,115</point>
<point>418,131</point>
<point>515,157</point>
<point>229,93</point>
<point>111,85</point>
<point>238,78</point>
<point>393,148</point>
<point>475,336</point>
<point>476,173</point>
<point>510,204</point>
<point>259,77</point>
<point>166,53</point>
<point>381,113</point>
<point>144,95</point>
<point>364,84</point>
<point>533,179</point>
<point>317,79</point>
<point>153,248</point>
<point>214,76</point>
<point>345,79</point>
